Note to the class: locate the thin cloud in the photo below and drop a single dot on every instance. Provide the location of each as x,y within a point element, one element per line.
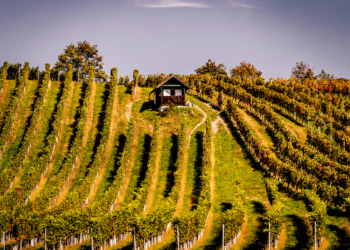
<point>236,4</point>
<point>169,4</point>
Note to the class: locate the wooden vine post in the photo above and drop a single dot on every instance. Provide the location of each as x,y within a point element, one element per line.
<point>223,236</point>
<point>136,74</point>
<point>4,240</point>
<point>269,237</point>
<point>315,237</point>
<point>45,240</point>
<point>178,241</point>
<point>135,239</point>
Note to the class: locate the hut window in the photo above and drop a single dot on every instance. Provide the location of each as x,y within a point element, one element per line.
<point>166,92</point>
<point>178,92</point>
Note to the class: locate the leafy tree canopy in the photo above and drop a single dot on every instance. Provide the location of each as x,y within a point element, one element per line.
<point>303,71</point>
<point>245,70</point>
<point>324,75</point>
<point>211,68</point>
<point>82,56</point>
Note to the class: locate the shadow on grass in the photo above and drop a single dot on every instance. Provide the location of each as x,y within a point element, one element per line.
<point>336,212</point>
<point>120,149</point>
<point>101,119</point>
<point>215,241</point>
<point>226,206</point>
<point>343,239</point>
<point>260,237</point>
<point>240,140</point>
<point>170,178</point>
<point>302,234</point>
<point>146,106</point>
<point>77,115</point>
<point>198,164</point>
<point>144,160</point>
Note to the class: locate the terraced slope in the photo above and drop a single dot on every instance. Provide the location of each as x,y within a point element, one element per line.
<point>92,163</point>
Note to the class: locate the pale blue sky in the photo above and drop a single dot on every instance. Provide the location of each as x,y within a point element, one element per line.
<point>177,36</point>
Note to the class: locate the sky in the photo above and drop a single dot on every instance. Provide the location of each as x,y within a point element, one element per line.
<point>178,36</point>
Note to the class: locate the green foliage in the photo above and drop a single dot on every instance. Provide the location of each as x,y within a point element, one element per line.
<point>3,74</point>
<point>272,190</point>
<point>14,104</point>
<point>211,68</point>
<point>48,195</point>
<point>82,57</point>
<point>317,212</point>
<point>110,195</point>
<point>233,218</point>
<point>23,211</point>
<point>274,217</point>
<point>17,162</point>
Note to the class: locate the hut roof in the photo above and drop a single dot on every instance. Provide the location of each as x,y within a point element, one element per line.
<point>167,80</point>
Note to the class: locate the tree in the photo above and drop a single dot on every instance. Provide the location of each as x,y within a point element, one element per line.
<point>81,56</point>
<point>33,74</point>
<point>101,76</point>
<point>324,75</point>
<point>245,70</point>
<point>211,68</point>
<point>13,71</point>
<point>303,71</point>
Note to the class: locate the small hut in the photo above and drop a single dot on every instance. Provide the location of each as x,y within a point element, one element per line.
<point>172,90</point>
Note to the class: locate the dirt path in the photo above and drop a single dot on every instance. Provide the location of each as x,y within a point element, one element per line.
<point>128,107</point>
<point>169,236</point>
<point>108,149</point>
<point>283,237</point>
<point>87,129</point>
<point>210,219</point>
<point>152,191</point>
<point>128,172</point>
<point>65,119</point>
<point>180,203</point>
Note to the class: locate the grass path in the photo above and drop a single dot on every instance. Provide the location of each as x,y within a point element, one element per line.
<point>151,196</point>
<point>296,130</point>
<point>167,167</point>
<point>168,241</point>
<point>259,129</point>
<point>129,170</point>
<point>108,149</point>
<point>87,129</point>
<point>127,114</point>
<point>140,163</point>
<point>210,219</point>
